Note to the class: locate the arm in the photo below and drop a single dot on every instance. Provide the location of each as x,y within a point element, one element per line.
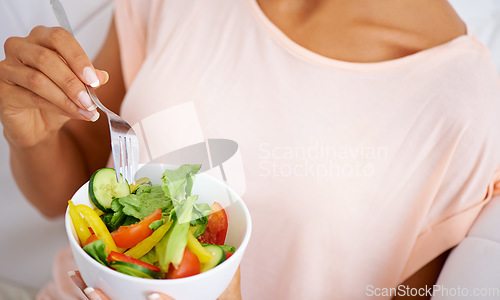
<point>426,276</point>
<point>52,151</point>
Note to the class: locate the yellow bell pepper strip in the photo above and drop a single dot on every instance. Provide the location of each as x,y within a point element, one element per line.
<point>97,225</point>
<point>148,243</point>
<point>81,227</point>
<point>197,249</point>
<point>98,211</point>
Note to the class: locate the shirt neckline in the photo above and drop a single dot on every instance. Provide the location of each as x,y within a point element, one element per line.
<point>313,57</point>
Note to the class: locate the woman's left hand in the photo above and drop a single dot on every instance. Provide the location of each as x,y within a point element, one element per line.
<point>233,291</point>
<point>96,294</point>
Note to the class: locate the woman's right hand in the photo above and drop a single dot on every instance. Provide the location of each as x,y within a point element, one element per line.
<point>42,85</point>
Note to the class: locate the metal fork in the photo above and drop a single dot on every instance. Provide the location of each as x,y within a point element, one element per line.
<point>124,144</point>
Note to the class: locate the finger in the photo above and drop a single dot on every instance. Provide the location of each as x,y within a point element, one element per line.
<point>62,42</point>
<point>103,76</point>
<point>21,99</point>
<point>76,277</point>
<point>95,294</point>
<point>159,296</point>
<point>39,84</point>
<point>51,64</point>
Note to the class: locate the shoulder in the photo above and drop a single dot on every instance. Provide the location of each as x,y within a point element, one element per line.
<point>465,80</point>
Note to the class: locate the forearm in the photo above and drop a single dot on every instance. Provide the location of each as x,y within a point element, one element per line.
<point>50,172</point>
<point>233,291</point>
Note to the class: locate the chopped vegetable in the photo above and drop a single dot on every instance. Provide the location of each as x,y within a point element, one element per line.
<point>131,235</point>
<point>97,250</point>
<point>91,239</point>
<point>194,246</point>
<point>189,266</point>
<point>138,183</point>
<point>216,230</point>
<point>81,227</point>
<point>103,187</point>
<point>226,248</point>
<point>218,256</point>
<point>134,270</point>
<point>141,206</point>
<point>95,222</point>
<point>115,256</point>
<point>143,247</point>
<point>156,224</point>
<point>171,248</point>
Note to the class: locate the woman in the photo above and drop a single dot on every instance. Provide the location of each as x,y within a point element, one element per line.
<point>365,126</point>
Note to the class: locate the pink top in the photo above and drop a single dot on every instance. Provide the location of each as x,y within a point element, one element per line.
<point>355,174</point>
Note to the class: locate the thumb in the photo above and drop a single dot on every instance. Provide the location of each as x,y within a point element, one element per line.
<point>159,296</point>
<point>103,77</point>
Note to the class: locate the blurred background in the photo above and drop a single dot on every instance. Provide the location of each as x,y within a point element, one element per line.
<point>28,241</point>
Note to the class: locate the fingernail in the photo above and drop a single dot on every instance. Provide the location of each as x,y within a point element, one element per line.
<point>106,74</point>
<point>154,296</point>
<point>90,76</point>
<point>90,115</point>
<point>85,100</point>
<point>71,273</point>
<point>92,294</point>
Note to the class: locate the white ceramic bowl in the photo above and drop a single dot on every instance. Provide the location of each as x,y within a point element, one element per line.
<point>207,285</point>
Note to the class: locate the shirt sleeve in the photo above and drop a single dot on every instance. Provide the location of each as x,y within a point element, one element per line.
<point>447,232</point>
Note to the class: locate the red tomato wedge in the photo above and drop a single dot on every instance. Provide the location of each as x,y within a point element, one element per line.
<point>228,254</point>
<point>190,265</point>
<point>116,256</point>
<point>131,235</point>
<point>216,227</point>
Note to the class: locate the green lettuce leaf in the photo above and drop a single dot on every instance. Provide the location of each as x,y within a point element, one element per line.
<point>97,250</point>
<point>201,211</point>
<point>177,184</point>
<point>171,247</point>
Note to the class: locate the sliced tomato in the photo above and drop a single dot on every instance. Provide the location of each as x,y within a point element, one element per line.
<point>216,227</point>
<point>92,238</point>
<point>228,254</point>
<point>131,235</point>
<point>190,265</point>
<point>116,256</point>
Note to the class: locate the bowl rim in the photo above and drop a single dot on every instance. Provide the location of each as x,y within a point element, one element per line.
<point>70,231</point>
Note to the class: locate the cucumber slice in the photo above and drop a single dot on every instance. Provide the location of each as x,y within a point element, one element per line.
<point>218,256</point>
<point>103,187</point>
<point>134,270</point>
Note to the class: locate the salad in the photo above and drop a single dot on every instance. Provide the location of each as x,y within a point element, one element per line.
<point>151,231</point>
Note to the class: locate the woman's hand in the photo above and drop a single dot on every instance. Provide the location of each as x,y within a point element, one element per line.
<point>96,294</point>
<point>233,291</point>
<point>42,85</point>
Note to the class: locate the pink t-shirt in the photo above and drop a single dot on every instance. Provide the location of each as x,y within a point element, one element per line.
<point>356,174</point>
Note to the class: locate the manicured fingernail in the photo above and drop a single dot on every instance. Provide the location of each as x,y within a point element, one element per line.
<point>154,296</point>
<point>106,74</point>
<point>90,115</point>
<point>90,292</point>
<point>91,77</point>
<point>85,100</point>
